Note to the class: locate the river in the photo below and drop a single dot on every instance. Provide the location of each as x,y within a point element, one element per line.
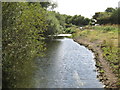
<point>66,64</point>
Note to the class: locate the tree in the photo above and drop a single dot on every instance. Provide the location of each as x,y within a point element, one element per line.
<point>110,16</point>
<point>97,14</point>
<point>115,17</point>
<point>60,18</point>
<point>45,4</point>
<point>77,20</point>
<point>53,24</point>
<point>110,9</point>
<point>22,25</point>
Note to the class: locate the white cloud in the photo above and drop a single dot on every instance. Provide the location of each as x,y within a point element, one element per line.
<point>86,8</point>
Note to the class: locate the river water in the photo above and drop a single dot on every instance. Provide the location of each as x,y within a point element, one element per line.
<point>66,64</point>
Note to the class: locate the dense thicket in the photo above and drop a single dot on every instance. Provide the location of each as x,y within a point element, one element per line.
<point>22,25</point>
<point>77,20</point>
<point>110,16</point>
<point>55,23</point>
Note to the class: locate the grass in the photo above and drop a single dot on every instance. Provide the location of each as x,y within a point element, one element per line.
<point>105,37</point>
<point>101,71</point>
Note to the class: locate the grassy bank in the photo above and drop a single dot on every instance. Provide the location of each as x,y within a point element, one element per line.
<point>104,41</point>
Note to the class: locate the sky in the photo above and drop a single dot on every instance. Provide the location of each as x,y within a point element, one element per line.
<point>86,8</point>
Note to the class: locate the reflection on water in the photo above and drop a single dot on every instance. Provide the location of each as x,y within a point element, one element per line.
<point>66,64</point>
<point>19,65</point>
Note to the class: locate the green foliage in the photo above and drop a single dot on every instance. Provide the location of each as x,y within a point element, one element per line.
<point>106,38</point>
<point>77,20</point>
<point>115,17</point>
<point>111,54</point>
<point>53,24</point>
<point>23,25</point>
<point>101,71</point>
<point>68,19</point>
<point>71,29</point>
<point>110,16</point>
<point>106,28</point>
<point>48,5</point>
<point>61,19</point>
<point>110,9</point>
<point>45,4</point>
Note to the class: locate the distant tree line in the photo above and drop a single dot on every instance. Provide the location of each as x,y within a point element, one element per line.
<point>77,20</point>
<point>25,25</point>
<point>109,16</point>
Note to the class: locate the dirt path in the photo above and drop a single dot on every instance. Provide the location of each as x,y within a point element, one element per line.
<point>108,77</point>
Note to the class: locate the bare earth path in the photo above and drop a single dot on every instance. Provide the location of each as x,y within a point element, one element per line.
<point>108,77</point>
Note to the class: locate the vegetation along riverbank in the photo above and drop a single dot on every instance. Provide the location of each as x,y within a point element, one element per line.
<point>26,26</point>
<point>103,41</point>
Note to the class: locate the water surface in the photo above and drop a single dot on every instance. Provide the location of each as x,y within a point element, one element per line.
<point>66,65</point>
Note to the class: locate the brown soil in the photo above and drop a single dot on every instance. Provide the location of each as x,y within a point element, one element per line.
<point>108,78</point>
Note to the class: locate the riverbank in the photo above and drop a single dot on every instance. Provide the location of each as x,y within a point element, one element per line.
<point>105,74</point>
<point>91,39</point>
